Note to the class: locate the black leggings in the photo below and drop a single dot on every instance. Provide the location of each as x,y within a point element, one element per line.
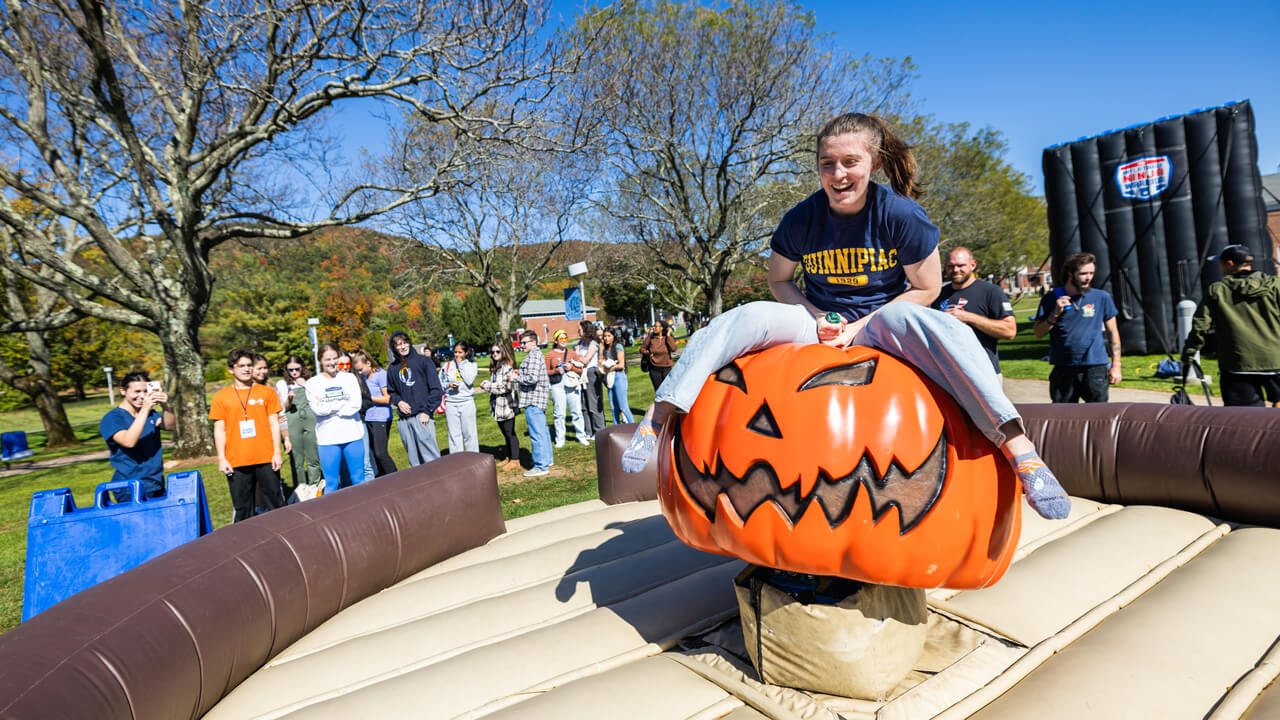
<point>382,462</point>
<point>658,374</point>
<point>508,428</point>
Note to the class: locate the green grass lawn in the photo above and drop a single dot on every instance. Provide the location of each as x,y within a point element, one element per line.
<point>572,479</point>
<point>83,416</point>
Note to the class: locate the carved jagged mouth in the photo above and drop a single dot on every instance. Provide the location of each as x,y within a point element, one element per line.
<point>913,493</point>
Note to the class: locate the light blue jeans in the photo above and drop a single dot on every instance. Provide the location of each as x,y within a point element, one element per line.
<point>333,457</point>
<point>943,348</point>
<point>539,437</point>
<point>555,393</point>
<point>618,399</point>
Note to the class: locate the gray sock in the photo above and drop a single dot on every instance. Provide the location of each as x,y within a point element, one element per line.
<point>1044,493</point>
<point>642,446</point>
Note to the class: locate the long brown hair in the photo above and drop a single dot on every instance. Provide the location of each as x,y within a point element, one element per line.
<point>497,358</point>
<point>894,155</point>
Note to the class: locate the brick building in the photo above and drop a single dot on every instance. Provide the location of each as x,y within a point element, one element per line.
<point>1271,199</point>
<point>546,316</point>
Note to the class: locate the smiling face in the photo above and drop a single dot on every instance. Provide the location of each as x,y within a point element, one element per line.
<point>960,267</point>
<point>402,346</point>
<point>329,362</point>
<point>242,371</point>
<point>134,392</point>
<point>608,338</point>
<point>260,371</point>
<point>845,164</point>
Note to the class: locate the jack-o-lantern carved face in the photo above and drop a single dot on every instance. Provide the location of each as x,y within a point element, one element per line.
<point>849,463</point>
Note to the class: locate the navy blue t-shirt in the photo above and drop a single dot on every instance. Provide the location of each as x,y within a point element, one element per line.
<point>1076,339</point>
<point>853,265</point>
<point>980,298</point>
<point>140,462</point>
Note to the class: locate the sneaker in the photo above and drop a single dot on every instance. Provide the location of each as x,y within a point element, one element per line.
<point>584,441</point>
<point>536,472</point>
<point>559,444</point>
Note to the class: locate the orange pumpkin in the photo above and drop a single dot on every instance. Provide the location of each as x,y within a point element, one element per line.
<point>850,463</point>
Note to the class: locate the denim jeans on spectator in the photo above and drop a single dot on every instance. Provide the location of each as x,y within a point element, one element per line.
<point>539,437</point>
<point>619,401</point>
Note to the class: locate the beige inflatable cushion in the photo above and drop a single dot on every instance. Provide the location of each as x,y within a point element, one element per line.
<point>1175,651</point>
<point>1062,580</point>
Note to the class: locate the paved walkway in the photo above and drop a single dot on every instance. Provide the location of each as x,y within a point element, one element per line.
<point>18,468</point>
<point>1037,391</point>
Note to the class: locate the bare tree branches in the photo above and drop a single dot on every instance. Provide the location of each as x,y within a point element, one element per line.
<point>157,131</point>
<point>497,223</point>
<point>702,110</point>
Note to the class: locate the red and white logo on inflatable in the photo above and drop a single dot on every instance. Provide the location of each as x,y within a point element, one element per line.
<point>1144,178</point>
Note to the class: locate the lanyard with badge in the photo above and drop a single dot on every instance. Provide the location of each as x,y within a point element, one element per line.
<point>248,428</point>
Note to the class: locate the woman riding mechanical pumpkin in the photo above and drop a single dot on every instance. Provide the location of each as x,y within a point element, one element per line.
<point>871,267</point>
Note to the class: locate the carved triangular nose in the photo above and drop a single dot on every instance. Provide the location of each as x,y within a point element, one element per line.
<point>763,422</point>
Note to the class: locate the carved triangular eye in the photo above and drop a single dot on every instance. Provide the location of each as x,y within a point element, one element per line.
<point>763,422</point>
<point>854,374</point>
<point>731,374</point>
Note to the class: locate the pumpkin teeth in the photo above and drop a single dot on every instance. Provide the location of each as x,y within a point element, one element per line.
<point>913,493</point>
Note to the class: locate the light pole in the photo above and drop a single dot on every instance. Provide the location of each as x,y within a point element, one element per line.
<point>579,270</point>
<point>111,395</point>
<point>315,343</point>
<point>651,288</point>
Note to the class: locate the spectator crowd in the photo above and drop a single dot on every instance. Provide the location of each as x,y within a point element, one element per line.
<point>332,428</point>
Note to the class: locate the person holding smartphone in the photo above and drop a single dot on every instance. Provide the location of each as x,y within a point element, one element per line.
<point>132,432</point>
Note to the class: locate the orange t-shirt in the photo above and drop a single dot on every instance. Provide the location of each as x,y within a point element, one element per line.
<point>233,406</point>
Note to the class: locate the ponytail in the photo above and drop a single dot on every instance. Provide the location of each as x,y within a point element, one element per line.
<point>894,155</point>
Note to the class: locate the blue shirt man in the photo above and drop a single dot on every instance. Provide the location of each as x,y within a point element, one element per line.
<point>1076,317</point>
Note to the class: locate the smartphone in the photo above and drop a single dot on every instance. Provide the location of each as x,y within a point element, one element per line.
<point>153,386</point>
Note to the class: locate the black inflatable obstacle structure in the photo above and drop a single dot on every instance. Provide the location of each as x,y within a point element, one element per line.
<point>1152,202</point>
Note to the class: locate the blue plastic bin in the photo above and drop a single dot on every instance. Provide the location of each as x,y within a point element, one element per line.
<point>70,549</point>
<point>13,446</point>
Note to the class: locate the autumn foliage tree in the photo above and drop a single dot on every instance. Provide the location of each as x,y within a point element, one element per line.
<point>158,132</point>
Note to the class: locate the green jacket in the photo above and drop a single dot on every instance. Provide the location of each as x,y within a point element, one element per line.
<point>1244,311</point>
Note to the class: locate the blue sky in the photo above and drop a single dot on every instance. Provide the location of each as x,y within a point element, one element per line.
<point>1048,73</point>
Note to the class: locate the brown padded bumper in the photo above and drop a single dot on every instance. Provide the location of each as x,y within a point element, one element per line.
<point>617,486</point>
<point>171,637</point>
<point>1216,461</point>
<point>1205,460</point>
